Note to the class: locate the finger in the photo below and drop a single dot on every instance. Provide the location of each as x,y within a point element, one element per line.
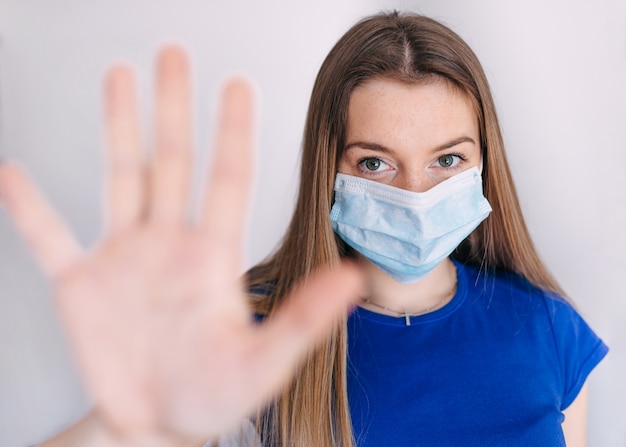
<point>171,169</point>
<point>125,189</point>
<point>48,237</point>
<point>225,207</point>
<point>308,314</point>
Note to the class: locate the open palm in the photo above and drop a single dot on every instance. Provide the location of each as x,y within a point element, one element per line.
<point>156,314</point>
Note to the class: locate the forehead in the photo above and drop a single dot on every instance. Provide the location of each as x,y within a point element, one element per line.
<point>388,111</point>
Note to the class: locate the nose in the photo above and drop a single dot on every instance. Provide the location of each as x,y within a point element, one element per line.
<point>414,181</point>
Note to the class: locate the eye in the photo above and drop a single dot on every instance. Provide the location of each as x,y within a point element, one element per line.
<point>372,165</point>
<point>449,160</point>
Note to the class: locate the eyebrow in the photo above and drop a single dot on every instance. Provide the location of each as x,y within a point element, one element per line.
<point>380,148</point>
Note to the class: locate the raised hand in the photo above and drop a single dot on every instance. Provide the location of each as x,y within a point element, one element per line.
<point>156,314</point>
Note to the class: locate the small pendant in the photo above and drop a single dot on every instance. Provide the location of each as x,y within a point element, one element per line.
<point>407,319</point>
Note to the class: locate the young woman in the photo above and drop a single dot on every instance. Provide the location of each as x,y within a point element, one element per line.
<point>460,335</point>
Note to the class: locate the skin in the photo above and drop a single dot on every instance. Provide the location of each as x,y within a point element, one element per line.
<point>575,423</point>
<point>156,315</point>
<point>414,136</point>
<point>417,136</point>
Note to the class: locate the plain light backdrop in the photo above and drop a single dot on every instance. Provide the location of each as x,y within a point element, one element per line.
<point>557,70</point>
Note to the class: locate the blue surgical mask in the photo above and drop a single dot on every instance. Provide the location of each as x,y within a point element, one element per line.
<point>407,234</point>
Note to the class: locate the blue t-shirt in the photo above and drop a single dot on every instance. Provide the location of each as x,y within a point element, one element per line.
<point>494,367</point>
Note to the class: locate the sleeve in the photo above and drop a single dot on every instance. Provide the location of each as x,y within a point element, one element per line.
<point>578,347</point>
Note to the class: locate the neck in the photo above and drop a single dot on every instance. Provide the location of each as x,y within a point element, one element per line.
<point>387,296</point>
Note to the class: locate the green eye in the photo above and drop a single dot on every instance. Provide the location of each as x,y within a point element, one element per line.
<point>446,161</point>
<point>372,164</point>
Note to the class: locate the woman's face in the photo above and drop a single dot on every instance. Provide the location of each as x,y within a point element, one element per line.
<point>411,136</point>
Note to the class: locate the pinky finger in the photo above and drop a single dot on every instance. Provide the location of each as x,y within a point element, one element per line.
<point>49,239</point>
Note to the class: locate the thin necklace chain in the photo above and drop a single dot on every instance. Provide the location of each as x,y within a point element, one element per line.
<point>408,315</point>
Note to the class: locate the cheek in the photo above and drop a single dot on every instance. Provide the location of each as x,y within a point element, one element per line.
<point>477,159</point>
<point>474,155</point>
<point>344,165</point>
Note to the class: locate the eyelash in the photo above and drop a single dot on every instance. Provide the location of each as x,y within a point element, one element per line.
<point>365,171</point>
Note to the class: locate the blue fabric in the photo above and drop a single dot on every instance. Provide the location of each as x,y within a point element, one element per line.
<point>494,367</point>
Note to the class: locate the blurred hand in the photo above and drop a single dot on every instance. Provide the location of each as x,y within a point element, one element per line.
<point>156,314</point>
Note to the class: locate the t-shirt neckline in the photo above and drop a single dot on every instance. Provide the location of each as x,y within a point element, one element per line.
<point>443,312</point>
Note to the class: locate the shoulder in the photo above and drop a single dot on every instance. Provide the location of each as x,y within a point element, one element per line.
<point>549,321</point>
<point>509,290</point>
<point>517,303</point>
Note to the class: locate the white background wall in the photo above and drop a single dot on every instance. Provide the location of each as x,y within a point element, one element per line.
<point>558,72</point>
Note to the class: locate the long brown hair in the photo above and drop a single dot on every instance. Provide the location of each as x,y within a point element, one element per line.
<point>313,410</point>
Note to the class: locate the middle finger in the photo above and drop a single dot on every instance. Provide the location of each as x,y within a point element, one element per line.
<point>170,176</point>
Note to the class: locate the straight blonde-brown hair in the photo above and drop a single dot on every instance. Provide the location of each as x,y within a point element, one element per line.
<point>313,410</point>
